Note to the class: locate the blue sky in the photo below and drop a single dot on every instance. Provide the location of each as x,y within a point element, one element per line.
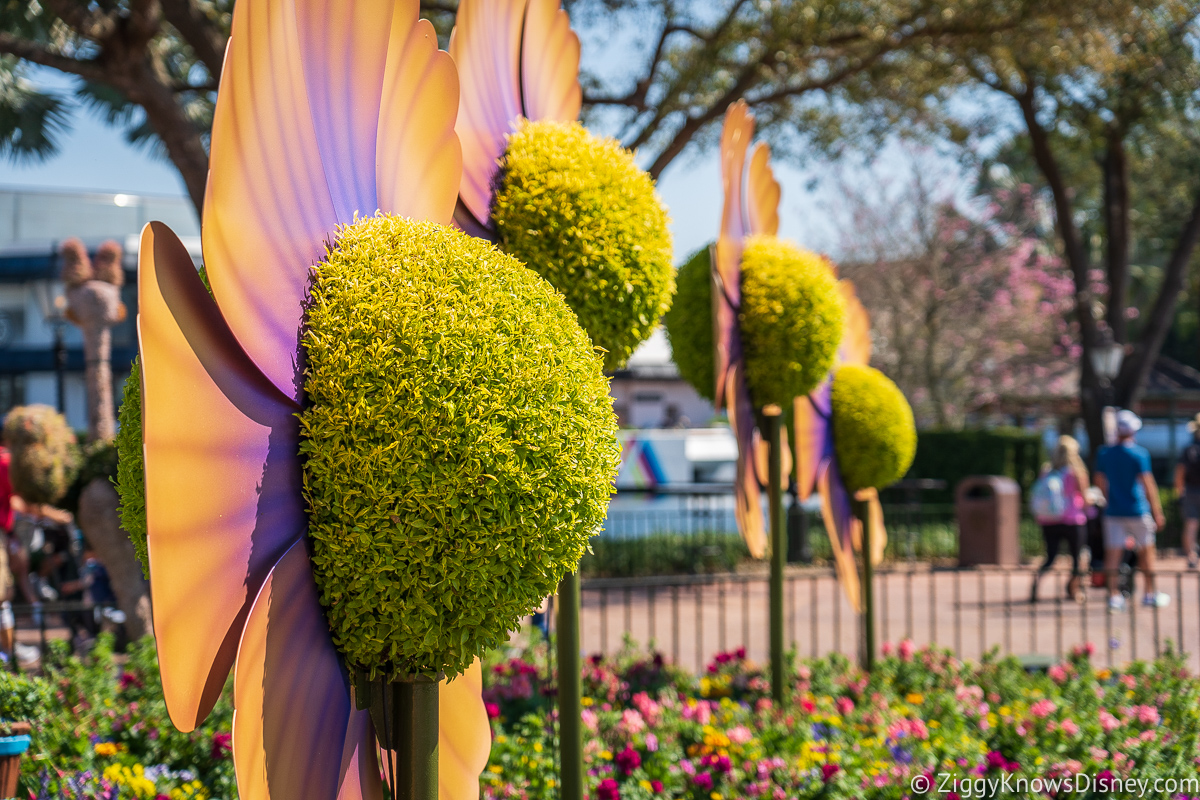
<point>95,157</point>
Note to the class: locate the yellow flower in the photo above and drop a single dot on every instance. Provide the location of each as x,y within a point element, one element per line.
<point>914,698</point>
<point>537,747</point>
<point>933,723</point>
<point>496,768</point>
<point>716,796</point>
<point>645,784</point>
<point>1005,711</point>
<point>1104,674</point>
<point>550,784</point>
<point>501,739</point>
<point>586,701</point>
<point>105,749</point>
<point>606,755</point>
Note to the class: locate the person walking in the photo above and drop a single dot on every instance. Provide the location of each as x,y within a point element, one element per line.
<point>1134,510</point>
<point>1187,488</point>
<point>1062,513</point>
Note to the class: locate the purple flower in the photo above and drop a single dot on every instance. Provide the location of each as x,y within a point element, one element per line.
<point>703,781</point>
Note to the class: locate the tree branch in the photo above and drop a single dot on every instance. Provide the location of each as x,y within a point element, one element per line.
<point>88,70</point>
<point>206,39</point>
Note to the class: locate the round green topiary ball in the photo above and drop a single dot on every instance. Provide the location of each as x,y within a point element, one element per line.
<point>689,323</point>
<point>578,211</point>
<point>792,318</point>
<point>873,430</point>
<point>459,447</point>
<point>131,466</point>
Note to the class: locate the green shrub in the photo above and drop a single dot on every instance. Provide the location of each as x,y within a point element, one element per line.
<point>577,210</point>
<point>689,323</point>
<point>873,430</point>
<point>460,444</point>
<point>953,455</point>
<point>131,466</point>
<point>23,698</point>
<point>792,319</point>
<point>44,455</point>
<point>96,460</point>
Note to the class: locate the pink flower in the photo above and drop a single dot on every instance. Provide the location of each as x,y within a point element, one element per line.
<point>886,650</point>
<point>1129,681</point>
<point>589,719</point>
<point>628,760</point>
<point>493,710</point>
<point>845,705</point>
<point>649,709</point>
<point>1042,708</point>
<point>739,735</point>
<point>651,743</point>
<point>1147,715</point>
<point>608,790</point>
<point>1069,727</point>
<point>703,781</point>
<point>906,649</point>
<point>1108,722</point>
<point>828,771</point>
<point>657,786</point>
<point>1057,673</point>
<point>222,743</point>
<point>631,722</point>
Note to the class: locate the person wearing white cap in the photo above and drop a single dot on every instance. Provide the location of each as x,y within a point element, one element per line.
<point>1133,510</point>
<point>1187,487</point>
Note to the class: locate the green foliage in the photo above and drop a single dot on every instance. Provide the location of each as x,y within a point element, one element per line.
<point>952,455</point>
<point>30,119</point>
<point>23,698</point>
<point>873,430</point>
<point>459,446</point>
<point>792,319</point>
<point>131,466</point>
<point>689,323</point>
<point>44,455</point>
<point>576,209</point>
<point>664,553</point>
<point>97,460</point>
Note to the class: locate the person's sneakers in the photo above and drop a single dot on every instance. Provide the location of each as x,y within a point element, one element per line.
<point>1158,600</point>
<point>1116,603</point>
<point>26,653</point>
<point>1192,561</point>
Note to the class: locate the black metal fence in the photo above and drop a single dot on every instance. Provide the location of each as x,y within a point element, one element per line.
<point>971,611</point>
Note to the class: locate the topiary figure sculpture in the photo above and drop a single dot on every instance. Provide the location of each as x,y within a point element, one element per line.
<point>44,453</point>
<point>94,304</point>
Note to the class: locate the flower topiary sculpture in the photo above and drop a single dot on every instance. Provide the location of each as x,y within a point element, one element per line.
<point>378,443</point>
<point>778,318</point>
<point>573,206</point>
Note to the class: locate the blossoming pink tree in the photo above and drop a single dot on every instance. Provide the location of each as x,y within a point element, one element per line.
<point>970,306</point>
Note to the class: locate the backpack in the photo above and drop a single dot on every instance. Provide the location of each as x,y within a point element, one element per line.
<point>1048,499</point>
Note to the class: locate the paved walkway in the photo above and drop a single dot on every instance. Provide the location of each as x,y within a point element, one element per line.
<point>969,611</point>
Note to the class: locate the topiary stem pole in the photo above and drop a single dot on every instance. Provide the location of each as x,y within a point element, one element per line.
<point>406,719</point>
<point>570,690</point>
<point>862,510</point>
<point>772,416</point>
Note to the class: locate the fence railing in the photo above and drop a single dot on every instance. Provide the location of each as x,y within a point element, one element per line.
<point>692,618</point>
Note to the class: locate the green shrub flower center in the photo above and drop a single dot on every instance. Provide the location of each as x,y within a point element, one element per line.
<point>873,429</point>
<point>578,211</point>
<point>459,444</point>
<point>792,319</point>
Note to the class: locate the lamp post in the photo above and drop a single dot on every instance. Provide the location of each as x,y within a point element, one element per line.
<point>1106,358</point>
<point>53,304</point>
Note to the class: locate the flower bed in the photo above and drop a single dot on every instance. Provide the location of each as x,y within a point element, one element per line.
<point>653,731</point>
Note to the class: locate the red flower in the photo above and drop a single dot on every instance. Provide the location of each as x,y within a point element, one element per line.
<point>128,679</point>
<point>628,760</point>
<point>656,785</point>
<point>493,710</point>
<point>222,744</point>
<point>608,790</point>
<point>828,771</point>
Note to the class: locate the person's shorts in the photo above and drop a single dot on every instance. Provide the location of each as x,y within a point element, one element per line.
<point>1191,504</point>
<point>7,621</point>
<point>1118,529</point>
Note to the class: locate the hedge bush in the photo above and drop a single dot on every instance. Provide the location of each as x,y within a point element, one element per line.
<point>952,455</point>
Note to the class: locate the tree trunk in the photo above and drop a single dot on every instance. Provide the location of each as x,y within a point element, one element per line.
<point>1116,224</point>
<point>101,525</point>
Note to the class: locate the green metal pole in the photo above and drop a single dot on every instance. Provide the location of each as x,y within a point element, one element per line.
<point>862,509</point>
<point>417,734</point>
<point>772,416</point>
<point>570,691</point>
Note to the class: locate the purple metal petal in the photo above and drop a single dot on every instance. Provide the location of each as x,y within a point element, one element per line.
<point>813,442</point>
<point>223,496</point>
<point>747,488</point>
<point>295,731</point>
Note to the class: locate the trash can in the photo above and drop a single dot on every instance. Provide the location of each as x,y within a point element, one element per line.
<point>988,508</point>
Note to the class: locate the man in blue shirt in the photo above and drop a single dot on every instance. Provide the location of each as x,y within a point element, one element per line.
<point>1133,510</point>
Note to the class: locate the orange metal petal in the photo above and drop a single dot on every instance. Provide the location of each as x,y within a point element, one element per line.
<point>856,341</point>
<point>268,210</point>
<point>549,63</point>
<point>419,159</point>
<point>486,48</point>
<point>465,738</point>
<point>727,257</point>
<point>295,731</point>
<point>762,195</point>
<point>747,490</point>
<point>343,50</point>
<point>223,496</point>
<point>843,553</point>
